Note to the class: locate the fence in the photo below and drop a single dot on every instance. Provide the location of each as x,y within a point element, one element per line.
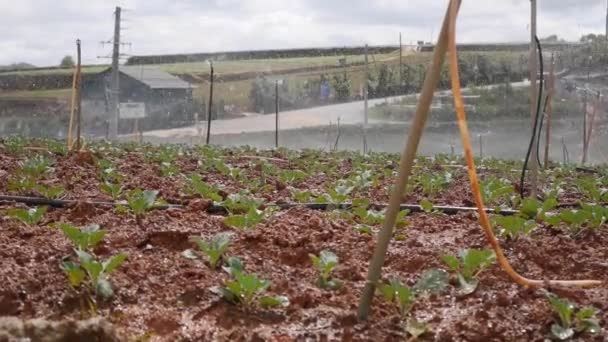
<point>321,106</point>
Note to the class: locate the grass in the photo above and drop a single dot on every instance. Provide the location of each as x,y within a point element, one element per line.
<point>91,69</point>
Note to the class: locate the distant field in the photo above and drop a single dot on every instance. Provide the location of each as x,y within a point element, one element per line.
<point>93,69</point>
<point>237,92</point>
<point>37,94</point>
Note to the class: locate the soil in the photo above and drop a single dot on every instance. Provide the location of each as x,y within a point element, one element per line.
<point>163,296</point>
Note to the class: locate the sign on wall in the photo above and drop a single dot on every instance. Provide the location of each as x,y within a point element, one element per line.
<point>132,110</point>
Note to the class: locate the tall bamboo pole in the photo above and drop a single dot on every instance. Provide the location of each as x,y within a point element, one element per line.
<point>533,98</point>
<point>78,95</point>
<point>405,166</point>
<point>549,111</point>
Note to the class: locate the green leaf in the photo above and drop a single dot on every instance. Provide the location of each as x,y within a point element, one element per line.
<point>113,263</point>
<point>75,274</point>
<point>416,328</point>
<point>189,254</point>
<point>467,286</point>
<point>237,221</point>
<point>215,248</point>
<point>270,302</point>
<point>104,289</point>
<point>433,281</point>
<point>529,208</point>
<point>387,292</point>
<point>361,203</point>
<point>150,197</point>
<point>475,260</point>
<point>234,265</point>
<point>426,205</point>
<point>560,332</point>
<point>452,262</point>
<point>563,308</point>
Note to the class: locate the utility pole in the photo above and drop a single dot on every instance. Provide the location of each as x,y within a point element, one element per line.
<point>115,80</point>
<point>533,98</point>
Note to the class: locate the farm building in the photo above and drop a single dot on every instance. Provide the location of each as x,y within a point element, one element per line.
<point>167,98</point>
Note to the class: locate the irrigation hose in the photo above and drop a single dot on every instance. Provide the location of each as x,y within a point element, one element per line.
<point>535,133</point>
<point>220,209</point>
<point>540,130</point>
<point>483,217</point>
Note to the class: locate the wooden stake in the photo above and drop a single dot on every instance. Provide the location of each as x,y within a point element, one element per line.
<point>276,108</point>
<point>405,167</point>
<point>584,159</point>
<point>210,103</point>
<point>72,110</point>
<point>549,112</point>
<point>78,96</point>
<point>590,130</point>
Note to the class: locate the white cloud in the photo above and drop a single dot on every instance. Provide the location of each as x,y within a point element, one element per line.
<point>43,31</point>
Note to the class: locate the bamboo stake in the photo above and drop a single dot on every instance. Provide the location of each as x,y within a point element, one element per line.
<point>533,98</point>
<point>466,142</point>
<point>590,130</point>
<point>405,168</point>
<point>72,109</point>
<point>78,96</point>
<point>549,112</point>
<point>210,103</point>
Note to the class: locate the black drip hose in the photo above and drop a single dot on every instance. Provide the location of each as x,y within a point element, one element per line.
<point>540,130</point>
<point>534,129</point>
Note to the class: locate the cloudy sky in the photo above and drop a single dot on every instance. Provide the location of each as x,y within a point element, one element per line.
<point>43,31</point>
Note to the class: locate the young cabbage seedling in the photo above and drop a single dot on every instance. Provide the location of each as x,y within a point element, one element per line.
<point>292,176</point>
<point>51,192</point>
<point>325,263</point>
<point>83,239</point>
<point>493,190</point>
<point>395,292</point>
<point>513,227</point>
<point>92,273</point>
<point>240,202</point>
<point>114,190</point>
<point>36,166</point>
<point>247,289</point>
<point>199,187</point>
<point>471,263</point>
<point>249,220</point>
<point>140,202</point>
<point>572,320</point>
<point>15,145</point>
<point>215,248</point>
<point>21,184</point>
<point>431,281</point>
<point>30,216</point>
<point>301,196</point>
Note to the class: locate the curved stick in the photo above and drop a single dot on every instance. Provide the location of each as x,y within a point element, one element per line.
<point>483,217</point>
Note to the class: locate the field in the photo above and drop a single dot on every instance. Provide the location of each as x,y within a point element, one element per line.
<point>210,244</point>
<point>235,77</point>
